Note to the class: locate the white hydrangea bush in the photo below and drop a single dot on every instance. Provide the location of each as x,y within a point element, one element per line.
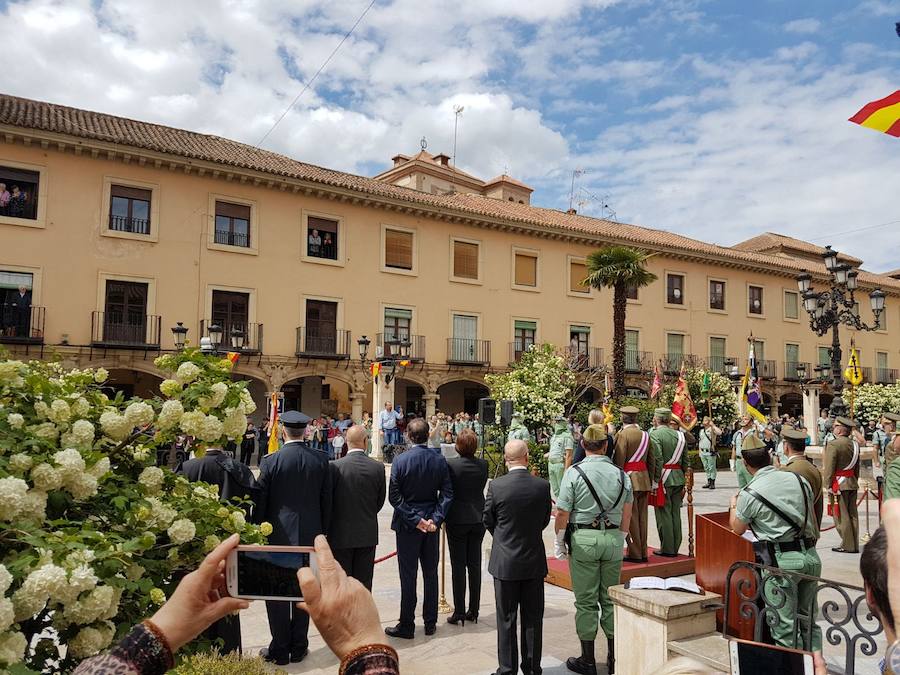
<point>870,401</point>
<point>93,535</point>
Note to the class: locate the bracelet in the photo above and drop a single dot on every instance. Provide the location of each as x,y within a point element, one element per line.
<point>365,652</point>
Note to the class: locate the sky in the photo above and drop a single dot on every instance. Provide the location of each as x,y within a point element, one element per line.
<point>717,119</point>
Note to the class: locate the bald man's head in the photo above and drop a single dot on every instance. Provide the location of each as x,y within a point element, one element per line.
<point>516,453</point>
<point>356,437</point>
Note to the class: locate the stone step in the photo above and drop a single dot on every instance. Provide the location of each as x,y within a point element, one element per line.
<point>710,649</point>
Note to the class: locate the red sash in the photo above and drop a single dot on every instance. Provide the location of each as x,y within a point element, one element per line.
<point>840,473</point>
<point>672,467</point>
<point>636,462</point>
<point>636,466</point>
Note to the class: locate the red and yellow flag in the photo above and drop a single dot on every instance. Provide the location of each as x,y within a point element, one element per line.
<point>883,115</point>
<point>683,406</point>
<point>233,357</point>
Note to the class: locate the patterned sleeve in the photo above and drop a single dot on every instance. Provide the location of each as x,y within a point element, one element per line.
<point>371,660</point>
<point>141,652</point>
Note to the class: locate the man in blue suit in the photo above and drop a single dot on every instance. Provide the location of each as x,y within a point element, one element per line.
<point>420,492</point>
<point>295,494</point>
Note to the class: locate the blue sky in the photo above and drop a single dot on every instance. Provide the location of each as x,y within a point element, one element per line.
<point>717,119</point>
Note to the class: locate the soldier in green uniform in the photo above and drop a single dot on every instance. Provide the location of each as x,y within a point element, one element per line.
<point>634,452</point>
<point>777,507</point>
<point>891,452</point>
<point>840,472</point>
<point>668,471</point>
<point>709,434</point>
<point>593,511</point>
<point>797,462</point>
<point>737,444</point>
<point>517,429</point>
<point>562,447</point>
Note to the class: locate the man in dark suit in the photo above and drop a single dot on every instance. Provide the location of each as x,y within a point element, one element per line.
<point>359,492</point>
<point>420,492</point>
<point>233,480</point>
<point>295,495</point>
<point>516,511</point>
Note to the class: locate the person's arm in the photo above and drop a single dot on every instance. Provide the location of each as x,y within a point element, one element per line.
<point>549,504</point>
<point>626,517</point>
<point>395,497</point>
<point>829,460</point>
<point>382,490</point>
<point>570,454</point>
<point>738,516</point>
<point>489,518</point>
<point>260,505</point>
<point>446,498</point>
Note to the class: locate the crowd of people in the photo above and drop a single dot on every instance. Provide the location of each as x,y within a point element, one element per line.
<point>603,480</point>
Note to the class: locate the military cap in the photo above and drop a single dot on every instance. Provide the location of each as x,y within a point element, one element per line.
<point>594,433</point>
<point>751,442</point>
<point>846,421</point>
<point>893,417</point>
<point>294,419</point>
<point>793,434</point>
<point>628,410</point>
<point>663,413</point>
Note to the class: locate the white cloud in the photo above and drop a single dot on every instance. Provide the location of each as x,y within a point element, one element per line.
<point>803,26</point>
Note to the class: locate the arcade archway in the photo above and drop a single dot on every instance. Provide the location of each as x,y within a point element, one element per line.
<point>461,396</point>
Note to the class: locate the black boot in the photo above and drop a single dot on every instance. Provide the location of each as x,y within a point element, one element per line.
<point>708,482</point>
<point>584,664</point>
<point>610,657</point>
<point>712,485</point>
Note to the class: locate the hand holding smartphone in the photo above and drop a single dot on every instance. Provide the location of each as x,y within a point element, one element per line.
<point>751,658</point>
<point>268,572</point>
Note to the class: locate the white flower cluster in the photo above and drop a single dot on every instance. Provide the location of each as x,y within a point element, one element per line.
<point>187,372</point>
<point>151,479</point>
<point>12,647</point>
<point>205,427</point>
<point>46,582</point>
<point>20,462</point>
<point>81,484</point>
<point>170,415</point>
<point>60,412</point>
<point>42,410</point>
<point>100,375</point>
<point>12,497</point>
<point>181,531</point>
<point>7,614</point>
<point>45,477</point>
<point>90,640</point>
<point>15,420</point>
<point>170,388</point>
<point>81,435</point>
<point>217,394</point>
<point>139,414</point>
<point>10,373</point>
<point>159,515</point>
<point>247,402</point>
<point>46,431</point>
<point>80,406</point>
<point>114,425</point>
<point>235,423</point>
<point>101,603</point>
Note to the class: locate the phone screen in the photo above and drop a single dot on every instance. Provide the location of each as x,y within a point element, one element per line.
<point>755,658</point>
<point>270,573</point>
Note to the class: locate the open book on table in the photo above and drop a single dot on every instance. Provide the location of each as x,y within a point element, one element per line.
<point>658,583</point>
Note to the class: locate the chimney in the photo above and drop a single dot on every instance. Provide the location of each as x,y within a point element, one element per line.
<point>442,159</point>
<point>571,212</point>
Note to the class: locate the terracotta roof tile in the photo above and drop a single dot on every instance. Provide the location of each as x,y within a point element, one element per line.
<point>52,118</point>
<point>506,179</point>
<point>771,240</point>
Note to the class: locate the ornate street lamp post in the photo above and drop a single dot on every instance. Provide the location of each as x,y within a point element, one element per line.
<point>179,335</point>
<point>396,354</point>
<point>830,308</point>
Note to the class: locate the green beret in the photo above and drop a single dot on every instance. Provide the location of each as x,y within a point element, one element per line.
<point>594,433</point>
<point>629,410</point>
<point>846,421</point>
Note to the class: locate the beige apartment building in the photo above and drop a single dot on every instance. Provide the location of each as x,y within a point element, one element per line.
<point>112,231</point>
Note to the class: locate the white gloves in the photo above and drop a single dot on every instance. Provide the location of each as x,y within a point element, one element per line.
<point>559,546</point>
<point>731,465</point>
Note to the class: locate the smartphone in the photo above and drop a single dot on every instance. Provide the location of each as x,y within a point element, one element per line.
<point>752,658</point>
<point>267,572</point>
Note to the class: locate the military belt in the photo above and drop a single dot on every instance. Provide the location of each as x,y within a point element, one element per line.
<point>592,526</point>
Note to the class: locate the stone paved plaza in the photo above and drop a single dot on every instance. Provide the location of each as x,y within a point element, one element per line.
<point>471,650</point>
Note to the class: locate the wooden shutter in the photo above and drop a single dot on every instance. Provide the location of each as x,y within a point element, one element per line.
<point>398,249</point>
<point>465,260</point>
<point>240,211</point>
<point>526,270</point>
<point>322,225</point>
<point>577,273</point>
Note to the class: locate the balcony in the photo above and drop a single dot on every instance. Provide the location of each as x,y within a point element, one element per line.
<point>721,364</point>
<point>885,375</point>
<point>125,330</point>
<point>517,348</point>
<point>584,359</point>
<point>638,361</point>
<point>127,224</point>
<point>468,352</point>
<point>232,238</point>
<point>866,373</point>
<point>253,335</point>
<point>22,325</point>
<point>765,369</point>
<point>316,343</point>
<point>672,363</point>
<point>416,346</point>
<point>791,368</point>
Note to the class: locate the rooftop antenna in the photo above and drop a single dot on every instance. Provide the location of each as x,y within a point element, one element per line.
<point>575,173</point>
<point>423,143</point>
<point>457,111</point>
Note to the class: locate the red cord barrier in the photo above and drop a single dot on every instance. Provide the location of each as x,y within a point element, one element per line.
<point>385,557</point>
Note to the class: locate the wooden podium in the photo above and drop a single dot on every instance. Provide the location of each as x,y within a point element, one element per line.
<point>718,548</point>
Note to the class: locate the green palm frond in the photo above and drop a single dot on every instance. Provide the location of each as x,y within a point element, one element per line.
<point>613,265</point>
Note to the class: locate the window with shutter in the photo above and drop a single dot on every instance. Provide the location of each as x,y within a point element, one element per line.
<point>791,305</point>
<point>465,260</point>
<point>755,298</point>
<point>232,224</point>
<point>19,192</point>
<point>675,289</point>
<point>717,295</point>
<point>578,273</point>
<point>398,249</point>
<point>321,238</point>
<point>526,270</point>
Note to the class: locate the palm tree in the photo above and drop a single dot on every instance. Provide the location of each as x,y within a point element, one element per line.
<point>619,268</point>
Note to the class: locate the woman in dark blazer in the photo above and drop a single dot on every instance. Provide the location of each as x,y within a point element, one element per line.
<point>465,530</point>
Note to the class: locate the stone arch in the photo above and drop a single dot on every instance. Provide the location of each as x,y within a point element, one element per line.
<point>132,382</point>
<point>140,365</point>
<point>345,375</point>
<point>791,403</point>
<point>456,396</point>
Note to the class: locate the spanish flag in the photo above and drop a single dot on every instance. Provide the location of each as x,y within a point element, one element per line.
<point>273,425</point>
<point>883,115</point>
<point>233,357</point>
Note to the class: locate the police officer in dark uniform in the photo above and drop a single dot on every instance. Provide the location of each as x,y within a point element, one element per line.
<point>295,494</point>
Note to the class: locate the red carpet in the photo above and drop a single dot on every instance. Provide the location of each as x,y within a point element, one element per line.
<point>656,566</point>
